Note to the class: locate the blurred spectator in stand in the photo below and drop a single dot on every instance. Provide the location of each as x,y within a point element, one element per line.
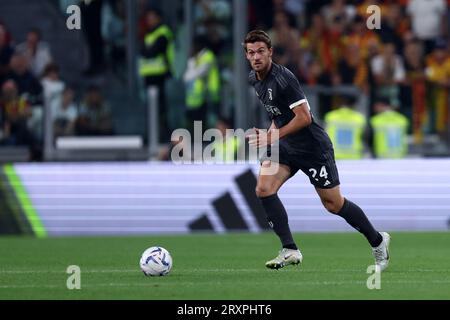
<point>285,39</point>
<point>217,40</point>
<point>338,9</point>
<point>367,41</point>
<point>317,75</point>
<point>389,129</point>
<point>261,12</point>
<point>278,5</point>
<point>53,89</point>
<point>91,17</point>
<point>428,20</point>
<point>65,116</point>
<point>113,33</point>
<point>16,111</point>
<point>313,39</point>
<point>352,69</point>
<point>448,19</point>
<point>389,73</point>
<point>361,9</point>
<point>202,81</point>
<point>212,16</point>
<point>156,62</point>
<point>393,26</point>
<point>320,55</point>
<point>36,52</point>
<point>6,52</point>
<point>296,8</point>
<point>259,17</point>
<point>324,44</point>
<point>438,74</point>
<point>30,88</point>
<point>413,93</point>
<point>7,33</point>
<point>26,82</point>
<point>212,19</point>
<point>95,115</point>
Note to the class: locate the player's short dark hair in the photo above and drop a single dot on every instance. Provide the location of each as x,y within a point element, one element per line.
<point>257,36</point>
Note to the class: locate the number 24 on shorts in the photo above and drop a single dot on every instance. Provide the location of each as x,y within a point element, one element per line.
<point>322,174</point>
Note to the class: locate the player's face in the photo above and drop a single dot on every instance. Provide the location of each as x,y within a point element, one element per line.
<point>259,56</point>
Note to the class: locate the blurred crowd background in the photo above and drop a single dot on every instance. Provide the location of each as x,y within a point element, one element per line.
<point>356,77</point>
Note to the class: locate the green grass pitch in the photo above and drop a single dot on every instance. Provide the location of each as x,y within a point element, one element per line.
<point>224,267</point>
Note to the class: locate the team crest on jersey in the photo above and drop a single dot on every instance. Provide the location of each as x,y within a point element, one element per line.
<point>270,94</point>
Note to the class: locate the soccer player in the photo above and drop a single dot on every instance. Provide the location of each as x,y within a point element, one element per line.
<point>303,145</point>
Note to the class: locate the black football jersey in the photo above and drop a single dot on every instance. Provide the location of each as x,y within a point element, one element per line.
<point>279,92</point>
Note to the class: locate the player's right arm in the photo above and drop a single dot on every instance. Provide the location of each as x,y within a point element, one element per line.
<point>260,137</point>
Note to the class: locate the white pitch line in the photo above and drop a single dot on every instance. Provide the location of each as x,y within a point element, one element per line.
<point>218,184</point>
<point>199,270</point>
<point>183,218</point>
<point>203,172</point>
<point>293,283</point>
<point>133,196</point>
<point>120,207</point>
<point>127,230</point>
<point>206,206</point>
<point>64,271</point>
<point>120,218</point>
<point>212,195</point>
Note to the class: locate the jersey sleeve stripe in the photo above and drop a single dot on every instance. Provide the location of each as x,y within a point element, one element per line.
<point>299,102</point>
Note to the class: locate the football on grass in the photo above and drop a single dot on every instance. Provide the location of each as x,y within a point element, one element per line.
<point>156,261</point>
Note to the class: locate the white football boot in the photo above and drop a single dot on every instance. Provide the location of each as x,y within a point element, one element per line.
<point>381,253</point>
<point>284,258</point>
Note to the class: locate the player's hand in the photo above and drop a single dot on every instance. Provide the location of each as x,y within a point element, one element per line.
<point>262,138</point>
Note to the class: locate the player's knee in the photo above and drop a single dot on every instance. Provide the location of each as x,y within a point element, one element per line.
<point>264,191</point>
<point>332,206</point>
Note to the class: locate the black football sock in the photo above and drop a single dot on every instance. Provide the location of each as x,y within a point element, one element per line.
<point>290,246</point>
<point>278,220</point>
<point>358,220</point>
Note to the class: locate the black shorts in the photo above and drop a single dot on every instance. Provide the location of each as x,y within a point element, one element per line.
<point>320,167</point>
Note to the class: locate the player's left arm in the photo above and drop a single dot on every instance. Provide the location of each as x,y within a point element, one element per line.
<point>294,96</point>
<point>301,119</point>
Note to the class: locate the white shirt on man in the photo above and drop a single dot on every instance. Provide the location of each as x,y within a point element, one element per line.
<point>426,16</point>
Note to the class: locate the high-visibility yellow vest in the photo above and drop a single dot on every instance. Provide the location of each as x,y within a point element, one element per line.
<point>227,150</point>
<point>197,90</point>
<point>162,63</point>
<point>345,128</point>
<point>390,132</point>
